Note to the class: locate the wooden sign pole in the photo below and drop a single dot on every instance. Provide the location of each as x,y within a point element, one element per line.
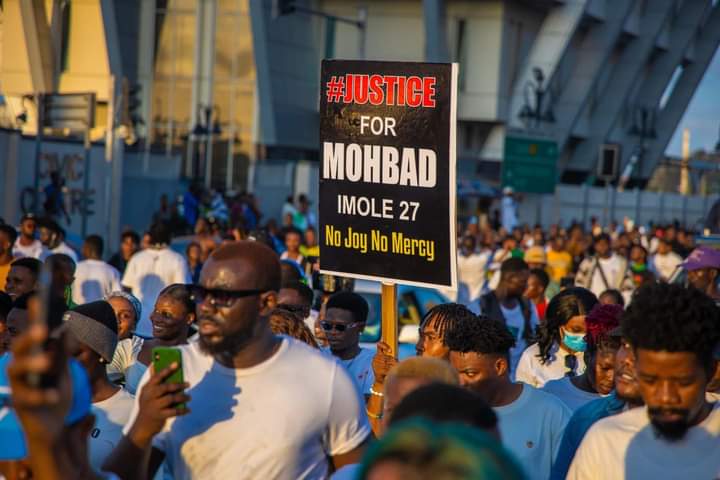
<point>389,317</point>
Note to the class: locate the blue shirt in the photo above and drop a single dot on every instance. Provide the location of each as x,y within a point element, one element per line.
<point>190,209</point>
<point>577,427</point>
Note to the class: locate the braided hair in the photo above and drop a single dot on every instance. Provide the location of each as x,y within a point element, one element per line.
<point>446,317</point>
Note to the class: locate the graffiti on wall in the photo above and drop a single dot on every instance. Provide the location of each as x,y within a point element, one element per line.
<point>66,173</point>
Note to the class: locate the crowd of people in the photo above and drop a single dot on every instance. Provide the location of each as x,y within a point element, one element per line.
<point>565,353</point>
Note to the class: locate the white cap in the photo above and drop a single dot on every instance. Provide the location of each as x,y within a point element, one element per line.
<point>508,191</point>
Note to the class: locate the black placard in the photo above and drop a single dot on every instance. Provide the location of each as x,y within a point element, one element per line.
<point>387,171</point>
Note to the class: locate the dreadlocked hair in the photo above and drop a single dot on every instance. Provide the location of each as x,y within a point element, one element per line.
<point>675,319</point>
<point>565,305</point>
<point>598,324</point>
<point>284,322</point>
<point>480,335</point>
<point>445,316</point>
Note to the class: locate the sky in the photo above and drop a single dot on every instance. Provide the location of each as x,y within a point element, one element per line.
<point>702,116</point>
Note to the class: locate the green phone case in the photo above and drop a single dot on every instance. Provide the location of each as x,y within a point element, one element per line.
<point>163,357</point>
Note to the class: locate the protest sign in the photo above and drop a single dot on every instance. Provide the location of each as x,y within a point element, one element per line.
<point>387,173</point>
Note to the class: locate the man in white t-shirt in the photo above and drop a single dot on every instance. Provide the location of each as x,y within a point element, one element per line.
<point>345,317</point>
<point>673,332</point>
<point>92,340</point>
<point>530,421</point>
<point>94,279</point>
<point>605,270</point>
<point>151,270</point>
<point>52,237</point>
<point>472,267</point>
<point>665,261</point>
<point>26,245</point>
<point>258,405</point>
<point>506,304</point>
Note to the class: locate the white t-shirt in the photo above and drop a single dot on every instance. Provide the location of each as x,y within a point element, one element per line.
<point>62,248</point>
<point>665,265</point>
<point>612,267</point>
<point>572,396</point>
<point>280,419</point>
<point>147,273</point>
<point>531,428</point>
<point>299,260</point>
<point>471,276</point>
<point>35,250</point>
<point>531,371</point>
<point>93,280</point>
<point>111,416</point>
<point>626,446</point>
<point>515,322</point>
<point>360,369</point>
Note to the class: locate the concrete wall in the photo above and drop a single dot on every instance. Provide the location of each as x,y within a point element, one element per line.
<point>275,180</point>
<point>395,30</point>
<point>66,157</point>
<point>142,188</point>
<point>580,203</point>
<point>15,65</point>
<point>87,60</point>
<point>287,62</point>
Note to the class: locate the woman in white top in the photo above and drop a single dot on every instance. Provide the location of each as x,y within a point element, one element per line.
<point>171,318</point>
<point>561,342</point>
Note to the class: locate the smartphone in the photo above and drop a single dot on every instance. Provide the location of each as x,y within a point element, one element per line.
<point>162,358</point>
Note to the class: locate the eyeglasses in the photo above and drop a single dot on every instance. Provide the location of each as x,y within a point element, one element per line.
<point>218,297</point>
<point>570,364</point>
<point>301,310</point>
<point>338,327</point>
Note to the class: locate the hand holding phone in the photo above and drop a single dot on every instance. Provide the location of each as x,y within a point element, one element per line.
<point>163,358</point>
<point>162,397</point>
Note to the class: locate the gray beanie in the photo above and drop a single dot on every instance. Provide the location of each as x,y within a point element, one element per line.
<point>95,325</point>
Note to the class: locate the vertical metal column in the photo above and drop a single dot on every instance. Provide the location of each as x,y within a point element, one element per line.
<point>208,42</point>
<point>146,72</point>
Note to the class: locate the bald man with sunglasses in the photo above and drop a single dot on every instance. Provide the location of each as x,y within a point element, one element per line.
<point>232,417</point>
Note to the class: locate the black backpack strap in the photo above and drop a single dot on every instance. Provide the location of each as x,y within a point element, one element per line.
<point>490,307</point>
<point>602,274</point>
<point>528,333</point>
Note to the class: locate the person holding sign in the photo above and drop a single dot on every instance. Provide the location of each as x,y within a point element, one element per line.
<point>434,327</point>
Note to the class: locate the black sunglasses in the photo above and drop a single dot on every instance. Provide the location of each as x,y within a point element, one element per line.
<point>570,363</point>
<point>340,327</point>
<point>219,297</point>
<point>295,309</point>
